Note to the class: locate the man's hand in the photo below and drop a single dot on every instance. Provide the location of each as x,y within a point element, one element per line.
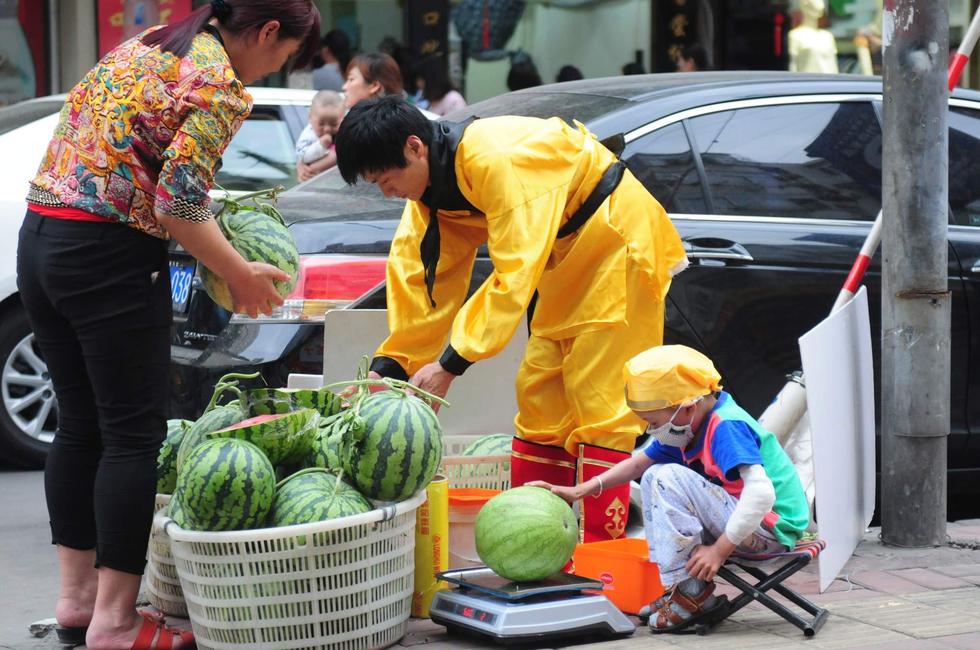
<point>570,494</point>
<point>706,560</point>
<point>350,391</point>
<point>434,379</point>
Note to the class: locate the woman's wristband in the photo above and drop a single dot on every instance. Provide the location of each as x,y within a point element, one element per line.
<point>599,493</point>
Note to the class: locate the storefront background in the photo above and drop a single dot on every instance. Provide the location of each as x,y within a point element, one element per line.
<point>46,46</point>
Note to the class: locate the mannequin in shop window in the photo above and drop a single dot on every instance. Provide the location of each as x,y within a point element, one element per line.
<point>812,49</point>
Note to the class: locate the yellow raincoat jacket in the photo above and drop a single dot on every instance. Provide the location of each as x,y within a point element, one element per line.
<point>601,289</point>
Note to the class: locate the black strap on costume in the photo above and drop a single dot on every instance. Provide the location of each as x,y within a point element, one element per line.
<point>442,194</point>
<point>607,184</point>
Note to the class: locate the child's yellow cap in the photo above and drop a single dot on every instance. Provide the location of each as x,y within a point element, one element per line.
<point>668,375</point>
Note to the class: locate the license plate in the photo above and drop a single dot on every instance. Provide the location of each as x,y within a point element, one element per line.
<point>181,277</point>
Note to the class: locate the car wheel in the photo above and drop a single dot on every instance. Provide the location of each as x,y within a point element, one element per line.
<point>28,410</point>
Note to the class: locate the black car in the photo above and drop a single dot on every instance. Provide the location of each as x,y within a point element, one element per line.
<point>773,180</point>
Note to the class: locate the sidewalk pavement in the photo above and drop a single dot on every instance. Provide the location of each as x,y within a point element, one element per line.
<point>885,598</point>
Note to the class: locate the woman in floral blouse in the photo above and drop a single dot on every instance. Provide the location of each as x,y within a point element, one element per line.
<point>130,165</point>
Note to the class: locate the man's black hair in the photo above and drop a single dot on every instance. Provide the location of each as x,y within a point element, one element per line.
<point>372,136</point>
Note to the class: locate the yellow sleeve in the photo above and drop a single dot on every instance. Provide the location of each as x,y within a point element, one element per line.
<point>522,223</point>
<point>417,330</point>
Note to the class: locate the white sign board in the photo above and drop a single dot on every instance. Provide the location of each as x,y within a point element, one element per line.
<point>840,402</point>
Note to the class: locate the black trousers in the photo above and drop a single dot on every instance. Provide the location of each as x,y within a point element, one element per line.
<point>98,299</point>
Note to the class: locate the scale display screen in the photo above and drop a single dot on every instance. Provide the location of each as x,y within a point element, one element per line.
<point>471,613</point>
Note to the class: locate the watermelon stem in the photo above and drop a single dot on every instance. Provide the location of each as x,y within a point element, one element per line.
<point>234,204</point>
<point>394,384</point>
<point>227,383</point>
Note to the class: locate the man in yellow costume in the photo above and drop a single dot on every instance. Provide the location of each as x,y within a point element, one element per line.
<point>576,242</point>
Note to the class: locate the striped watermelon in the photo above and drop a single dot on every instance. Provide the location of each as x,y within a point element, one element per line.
<point>325,447</point>
<point>167,458</point>
<point>269,401</point>
<point>284,438</point>
<point>213,420</point>
<point>395,446</point>
<point>176,510</point>
<point>495,444</point>
<point>315,494</point>
<point>258,237</point>
<point>214,417</point>
<point>526,533</point>
<point>226,484</point>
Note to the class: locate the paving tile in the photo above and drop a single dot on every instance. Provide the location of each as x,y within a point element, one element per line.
<point>959,570</point>
<point>961,641</point>
<point>886,582</point>
<point>856,593</point>
<point>962,600</point>
<point>964,531</point>
<point>905,644</point>
<point>731,635</point>
<point>929,578</point>
<point>908,617</point>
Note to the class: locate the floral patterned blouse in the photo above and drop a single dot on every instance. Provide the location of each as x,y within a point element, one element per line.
<point>144,131</point>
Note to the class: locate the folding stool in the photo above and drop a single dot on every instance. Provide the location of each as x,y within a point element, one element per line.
<point>788,563</point>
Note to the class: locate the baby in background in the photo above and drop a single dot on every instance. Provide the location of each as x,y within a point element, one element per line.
<point>316,140</point>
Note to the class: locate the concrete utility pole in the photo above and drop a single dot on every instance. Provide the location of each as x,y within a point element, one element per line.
<point>915,310</point>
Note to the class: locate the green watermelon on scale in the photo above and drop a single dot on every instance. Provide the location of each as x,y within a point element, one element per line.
<point>258,235</point>
<point>395,445</point>
<point>225,484</point>
<point>526,533</point>
<point>284,438</point>
<point>167,458</point>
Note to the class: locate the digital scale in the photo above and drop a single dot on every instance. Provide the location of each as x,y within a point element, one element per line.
<point>485,604</point>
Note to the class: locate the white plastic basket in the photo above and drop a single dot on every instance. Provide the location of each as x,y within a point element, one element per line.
<point>343,584</point>
<point>489,472</point>
<point>162,584</point>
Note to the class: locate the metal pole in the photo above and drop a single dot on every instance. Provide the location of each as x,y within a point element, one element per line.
<point>54,50</point>
<point>915,312</point>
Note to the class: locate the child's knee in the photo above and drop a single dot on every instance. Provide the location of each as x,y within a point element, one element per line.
<point>663,475</point>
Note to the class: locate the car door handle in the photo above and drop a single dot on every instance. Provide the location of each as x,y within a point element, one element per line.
<point>716,249</point>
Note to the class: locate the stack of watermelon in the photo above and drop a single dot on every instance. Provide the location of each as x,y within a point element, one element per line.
<point>338,456</point>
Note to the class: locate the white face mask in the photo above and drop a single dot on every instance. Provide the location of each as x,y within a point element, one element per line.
<point>672,435</point>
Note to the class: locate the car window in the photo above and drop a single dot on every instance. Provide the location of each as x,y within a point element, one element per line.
<point>662,161</point>
<point>819,161</point>
<point>964,166</point>
<point>261,155</point>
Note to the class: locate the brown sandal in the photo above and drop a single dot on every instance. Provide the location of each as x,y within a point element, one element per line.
<point>693,605</point>
<point>648,610</point>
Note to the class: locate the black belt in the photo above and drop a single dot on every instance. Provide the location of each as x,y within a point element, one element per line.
<point>607,185</point>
